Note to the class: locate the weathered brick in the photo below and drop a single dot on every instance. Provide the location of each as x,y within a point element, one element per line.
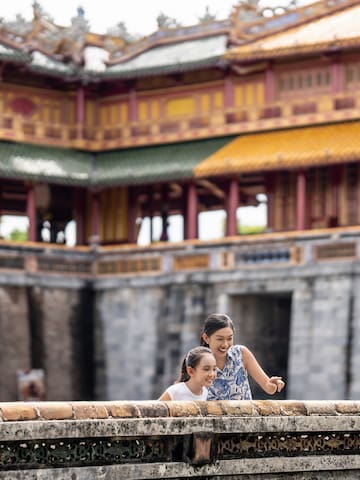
<point>213,408</point>
<point>84,410</point>
<point>183,409</point>
<point>18,411</point>
<point>55,410</point>
<point>123,410</point>
<point>291,408</point>
<point>267,407</point>
<point>237,408</point>
<point>152,409</point>
<point>348,408</point>
<point>320,408</point>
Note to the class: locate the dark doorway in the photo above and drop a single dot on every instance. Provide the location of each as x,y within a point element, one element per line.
<point>262,323</point>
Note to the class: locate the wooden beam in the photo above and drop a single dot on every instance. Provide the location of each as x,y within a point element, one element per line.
<point>211,187</point>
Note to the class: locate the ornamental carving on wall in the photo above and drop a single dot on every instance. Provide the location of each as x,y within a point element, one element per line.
<point>23,106</point>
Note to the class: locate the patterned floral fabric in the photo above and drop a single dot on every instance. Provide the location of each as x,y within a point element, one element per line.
<point>231,383</point>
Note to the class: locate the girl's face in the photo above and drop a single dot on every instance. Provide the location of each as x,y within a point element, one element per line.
<point>205,371</point>
<point>220,341</point>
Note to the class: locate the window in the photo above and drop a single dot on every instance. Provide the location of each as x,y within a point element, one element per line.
<point>304,82</point>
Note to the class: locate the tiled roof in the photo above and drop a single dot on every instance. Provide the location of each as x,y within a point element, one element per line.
<point>151,164</point>
<point>285,149</point>
<point>53,165</point>
<point>8,53</point>
<point>75,52</point>
<point>121,167</point>
<point>43,63</point>
<point>172,57</point>
<point>340,28</point>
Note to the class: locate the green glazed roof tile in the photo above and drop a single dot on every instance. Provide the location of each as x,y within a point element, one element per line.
<point>8,53</point>
<point>120,167</point>
<point>48,164</point>
<point>157,163</point>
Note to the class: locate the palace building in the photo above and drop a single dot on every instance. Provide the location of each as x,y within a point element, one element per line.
<point>109,130</point>
<point>106,130</point>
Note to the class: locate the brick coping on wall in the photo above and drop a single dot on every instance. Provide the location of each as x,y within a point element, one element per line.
<point>47,411</point>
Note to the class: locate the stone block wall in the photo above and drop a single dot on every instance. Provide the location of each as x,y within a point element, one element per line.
<point>122,337</point>
<point>302,323</point>
<point>46,326</point>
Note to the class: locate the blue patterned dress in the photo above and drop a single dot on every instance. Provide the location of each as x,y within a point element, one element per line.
<point>232,382</point>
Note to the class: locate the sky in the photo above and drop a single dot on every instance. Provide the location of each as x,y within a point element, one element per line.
<point>139,17</point>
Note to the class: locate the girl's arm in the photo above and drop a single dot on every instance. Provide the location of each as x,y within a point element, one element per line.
<point>269,384</point>
<point>165,397</point>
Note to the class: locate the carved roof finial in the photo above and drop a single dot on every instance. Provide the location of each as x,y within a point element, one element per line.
<point>120,30</point>
<point>80,11</point>
<point>164,21</point>
<point>207,17</point>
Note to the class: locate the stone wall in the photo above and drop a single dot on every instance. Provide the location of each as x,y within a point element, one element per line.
<point>177,440</point>
<point>105,334</point>
<point>45,325</point>
<point>314,348</point>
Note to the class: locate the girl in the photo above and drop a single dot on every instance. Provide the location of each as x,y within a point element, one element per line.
<point>198,371</point>
<point>234,363</point>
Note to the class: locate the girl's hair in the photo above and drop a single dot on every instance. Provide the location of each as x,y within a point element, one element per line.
<point>191,359</point>
<point>213,323</point>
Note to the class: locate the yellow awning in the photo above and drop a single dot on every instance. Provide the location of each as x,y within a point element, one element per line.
<point>285,149</point>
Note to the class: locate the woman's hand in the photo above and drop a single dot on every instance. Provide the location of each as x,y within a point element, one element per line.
<point>269,385</point>
<point>275,384</point>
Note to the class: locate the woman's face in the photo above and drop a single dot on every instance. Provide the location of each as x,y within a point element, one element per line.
<point>220,341</point>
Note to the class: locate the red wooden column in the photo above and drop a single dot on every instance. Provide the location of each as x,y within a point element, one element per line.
<point>80,111</point>
<point>79,217</point>
<point>132,209</point>
<point>191,213</point>
<point>231,208</point>
<point>335,182</point>
<point>270,194</point>
<point>228,92</point>
<point>132,103</point>
<point>300,200</point>
<point>337,76</point>
<point>80,105</point>
<point>31,213</point>
<point>269,85</point>
<point>95,216</point>
<point>164,237</point>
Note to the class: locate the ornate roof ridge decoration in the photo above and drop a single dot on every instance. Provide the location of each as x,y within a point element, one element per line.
<point>259,54</point>
<point>249,22</point>
<point>259,49</point>
<point>167,35</point>
<point>41,34</point>
<point>67,44</point>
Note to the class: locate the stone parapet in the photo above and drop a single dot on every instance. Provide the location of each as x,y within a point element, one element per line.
<point>153,440</point>
<point>44,411</point>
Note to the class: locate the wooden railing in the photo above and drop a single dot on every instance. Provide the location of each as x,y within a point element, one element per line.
<point>153,440</point>
<point>292,112</point>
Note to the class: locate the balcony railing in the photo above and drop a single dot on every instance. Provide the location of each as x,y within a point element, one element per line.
<point>292,112</point>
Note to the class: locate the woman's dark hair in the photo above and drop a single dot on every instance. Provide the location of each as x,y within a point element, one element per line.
<point>191,359</point>
<point>213,323</point>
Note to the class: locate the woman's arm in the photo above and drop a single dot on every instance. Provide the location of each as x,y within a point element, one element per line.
<point>165,397</point>
<point>269,384</point>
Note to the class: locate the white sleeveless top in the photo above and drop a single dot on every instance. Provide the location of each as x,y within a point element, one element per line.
<point>180,391</point>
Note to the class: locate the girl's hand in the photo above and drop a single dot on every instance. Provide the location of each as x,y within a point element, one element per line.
<point>276,384</point>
